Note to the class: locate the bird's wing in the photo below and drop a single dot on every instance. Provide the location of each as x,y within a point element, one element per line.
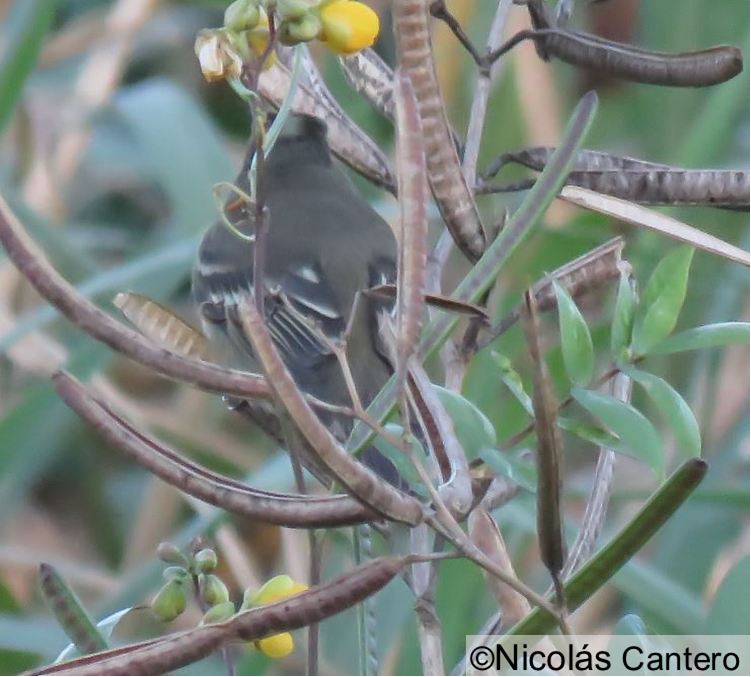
<point>299,309</point>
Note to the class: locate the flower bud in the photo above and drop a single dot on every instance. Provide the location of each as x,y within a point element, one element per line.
<point>213,590</point>
<point>294,9</point>
<point>169,553</point>
<point>218,613</point>
<point>242,15</point>
<point>170,601</point>
<point>302,30</point>
<point>175,573</point>
<point>205,560</point>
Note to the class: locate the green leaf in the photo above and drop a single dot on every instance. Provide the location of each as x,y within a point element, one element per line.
<point>623,320</point>
<point>632,538</point>
<point>662,301</point>
<point>401,461</point>
<point>708,336</point>
<point>523,474</point>
<point>674,408</point>
<point>25,30</point>
<point>473,429</point>
<point>576,341</point>
<point>591,433</point>
<point>637,434</point>
<point>728,614</point>
<point>513,381</point>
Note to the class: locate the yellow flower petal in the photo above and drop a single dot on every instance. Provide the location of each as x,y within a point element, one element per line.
<point>349,26</point>
<point>277,646</point>
<point>274,589</point>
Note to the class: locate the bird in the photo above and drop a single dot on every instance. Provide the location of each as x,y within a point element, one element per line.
<point>325,245</point>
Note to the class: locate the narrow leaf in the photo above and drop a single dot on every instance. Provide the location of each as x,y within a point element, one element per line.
<point>26,28</point>
<point>623,319</point>
<point>632,538</point>
<point>592,433</point>
<point>523,474</point>
<point>662,300</point>
<point>652,220</point>
<point>638,435</point>
<point>576,341</point>
<point>708,336</point>
<point>472,428</point>
<point>674,408</point>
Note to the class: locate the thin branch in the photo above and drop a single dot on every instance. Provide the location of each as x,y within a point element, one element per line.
<point>439,10</point>
<point>236,497</point>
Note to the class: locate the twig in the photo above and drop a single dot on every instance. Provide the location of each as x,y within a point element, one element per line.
<point>276,508</point>
<point>439,10</point>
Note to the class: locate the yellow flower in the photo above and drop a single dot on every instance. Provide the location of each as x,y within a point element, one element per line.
<point>277,646</point>
<point>348,26</point>
<point>279,587</point>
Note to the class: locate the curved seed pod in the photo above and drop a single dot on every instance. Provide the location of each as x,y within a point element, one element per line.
<point>162,326</point>
<point>536,157</point>
<point>369,75</point>
<point>362,482</point>
<point>486,535</point>
<point>347,141</point>
<point>95,322</point>
<point>283,509</point>
<point>453,196</point>
<point>701,68</point>
<point>708,187</point>
<point>413,224</point>
<point>319,88</point>
<point>549,520</point>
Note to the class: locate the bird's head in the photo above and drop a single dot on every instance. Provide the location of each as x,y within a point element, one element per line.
<point>302,140</point>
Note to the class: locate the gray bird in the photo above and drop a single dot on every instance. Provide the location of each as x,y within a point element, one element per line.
<point>325,244</point>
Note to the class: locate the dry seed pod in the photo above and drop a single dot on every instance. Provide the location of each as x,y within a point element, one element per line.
<point>413,224</point>
<point>549,520</point>
<point>701,68</point>
<point>347,141</point>
<point>453,196</point>
<point>170,466</point>
<point>161,325</point>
